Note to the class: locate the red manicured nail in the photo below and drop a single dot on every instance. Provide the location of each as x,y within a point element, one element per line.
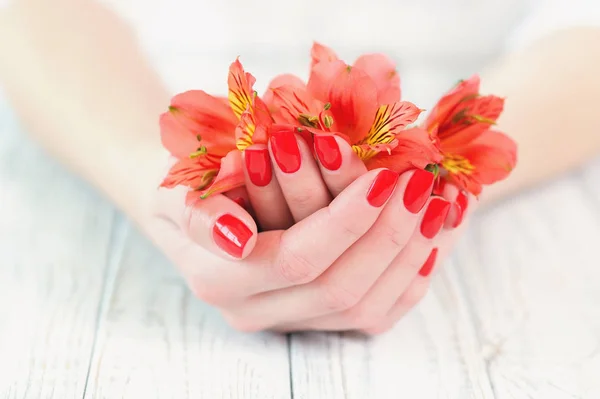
<point>286,151</point>
<point>240,201</point>
<point>382,187</point>
<point>258,166</point>
<point>231,235</point>
<point>462,202</point>
<point>434,217</point>
<point>328,152</point>
<point>418,190</point>
<point>429,263</point>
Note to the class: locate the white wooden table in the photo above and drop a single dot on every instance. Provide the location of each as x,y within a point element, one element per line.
<point>89,309</point>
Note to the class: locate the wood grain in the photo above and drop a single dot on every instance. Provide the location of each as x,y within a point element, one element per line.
<point>157,341</point>
<point>89,309</point>
<point>56,240</point>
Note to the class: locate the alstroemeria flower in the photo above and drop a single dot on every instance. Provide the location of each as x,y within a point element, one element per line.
<point>360,103</point>
<point>473,153</point>
<point>203,133</point>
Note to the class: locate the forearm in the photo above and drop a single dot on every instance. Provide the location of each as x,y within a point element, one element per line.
<point>81,87</point>
<point>553,97</point>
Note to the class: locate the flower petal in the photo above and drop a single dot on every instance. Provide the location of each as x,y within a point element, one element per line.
<point>448,102</point>
<point>353,98</point>
<point>229,176</point>
<point>469,119</point>
<point>322,76</point>
<point>241,94</point>
<point>415,149</point>
<point>494,156</point>
<point>197,119</point>
<point>289,102</point>
<point>253,126</point>
<point>319,53</point>
<point>191,173</point>
<point>383,72</point>
<point>288,80</point>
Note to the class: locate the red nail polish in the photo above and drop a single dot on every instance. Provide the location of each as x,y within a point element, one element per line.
<point>328,152</point>
<point>231,235</point>
<point>418,190</point>
<point>429,263</point>
<point>382,187</point>
<point>258,166</point>
<point>286,151</point>
<point>462,202</point>
<point>240,201</point>
<point>434,217</point>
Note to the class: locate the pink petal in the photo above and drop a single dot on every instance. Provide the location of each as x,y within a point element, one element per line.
<point>321,78</point>
<point>321,53</point>
<point>241,92</point>
<point>229,176</point>
<point>383,72</point>
<point>195,115</point>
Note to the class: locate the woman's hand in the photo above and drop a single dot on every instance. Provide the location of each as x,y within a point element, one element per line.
<point>358,262</point>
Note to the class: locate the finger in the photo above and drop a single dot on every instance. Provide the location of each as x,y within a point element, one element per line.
<point>460,205</point>
<point>442,247</point>
<point>217,224</point>
<point>240,196</point>
<point>264,192</point>
<point>343,284</point>
<point>374,304</point>
<point>298,174</point>
<point>339,164</point>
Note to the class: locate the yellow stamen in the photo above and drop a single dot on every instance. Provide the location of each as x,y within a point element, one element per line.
<point>308,120</point>
<point>199,152</point>
<point>457,164</point>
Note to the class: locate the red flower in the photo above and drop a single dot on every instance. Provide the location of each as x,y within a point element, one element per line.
<point>473,153</point>
<point>203,132</point>
<point>360,103</point>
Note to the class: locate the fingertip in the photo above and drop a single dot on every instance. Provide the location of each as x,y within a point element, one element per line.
<point>221,226</point>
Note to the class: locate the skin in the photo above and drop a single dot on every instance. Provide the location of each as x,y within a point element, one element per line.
<point>294,278</point>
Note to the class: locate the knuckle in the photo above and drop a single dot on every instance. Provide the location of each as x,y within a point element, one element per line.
<point>336,298</point>
<point>294,268</point>
<point>208,293</point>
<point>363,317</point>
<point>306,197</point>
<point>393,235</point>
<point>414,295</point>
<point>378,329</point>
<point>243,324</point>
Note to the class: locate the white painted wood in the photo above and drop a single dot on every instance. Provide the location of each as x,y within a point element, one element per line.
<point>55,245</point>
<point>89,309</point>
<point>514,314</point>
<point>158,341</point>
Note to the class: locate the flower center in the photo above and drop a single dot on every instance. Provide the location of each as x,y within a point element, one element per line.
<point>457,164</point>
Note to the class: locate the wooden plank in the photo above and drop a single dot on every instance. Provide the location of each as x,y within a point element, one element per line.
<point>157,341</point>
<point>431,353</point>
<point>55,245</point>
<point>531,272</point>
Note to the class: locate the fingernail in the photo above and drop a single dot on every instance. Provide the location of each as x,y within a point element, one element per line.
<point>438,187</point>
<point>240,201</point>
<point>328,152</point>
<point>418,190</point>
<point>462,202</point>
<point>258,166</point>
<point>231,235</point>
<point>429,263</point>
<point>434,217</point>
<point>382,188</point>
<point>286,151</point>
